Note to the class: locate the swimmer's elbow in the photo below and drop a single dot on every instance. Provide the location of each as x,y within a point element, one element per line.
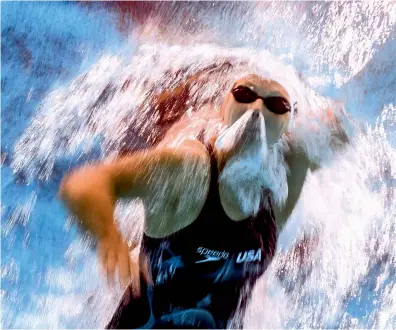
<point>72,191</point>
<point>63,189</point>
<point>78,187</point>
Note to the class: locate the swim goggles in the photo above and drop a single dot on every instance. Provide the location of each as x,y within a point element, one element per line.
<point>275,104</point>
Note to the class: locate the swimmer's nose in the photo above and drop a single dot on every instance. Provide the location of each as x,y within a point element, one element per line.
<point>256,114</point>
<point>254,120</point>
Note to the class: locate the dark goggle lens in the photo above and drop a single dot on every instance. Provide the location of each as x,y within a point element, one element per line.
<point>244,94</point>
<point>275,104</point>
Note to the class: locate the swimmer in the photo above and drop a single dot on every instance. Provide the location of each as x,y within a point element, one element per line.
<point>214,203</point>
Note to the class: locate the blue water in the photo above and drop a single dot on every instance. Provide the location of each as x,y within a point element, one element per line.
<point>43,46</point>
<point>47,45</point>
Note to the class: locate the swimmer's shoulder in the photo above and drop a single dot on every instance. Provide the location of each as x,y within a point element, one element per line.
<point>191,125</point>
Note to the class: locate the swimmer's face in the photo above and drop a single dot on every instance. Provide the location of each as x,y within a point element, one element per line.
<point>273,103</point>
<point>256,112</point>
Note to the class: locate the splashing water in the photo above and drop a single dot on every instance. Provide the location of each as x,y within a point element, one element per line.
<point>75,89</point>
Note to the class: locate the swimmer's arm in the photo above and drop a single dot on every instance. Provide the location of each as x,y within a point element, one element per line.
<point>299,162</point>
<point>298,254</point>
<point>92,191</point>
<point>298,165</point>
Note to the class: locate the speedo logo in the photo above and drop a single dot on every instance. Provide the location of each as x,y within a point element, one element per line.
<point>249,256</point>
<point>211,255</point>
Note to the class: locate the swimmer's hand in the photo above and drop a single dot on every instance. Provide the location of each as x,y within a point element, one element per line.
<point>114,254</point>
<point>296,264</point>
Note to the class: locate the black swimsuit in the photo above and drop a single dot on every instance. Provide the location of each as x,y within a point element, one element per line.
<point>200,271</point>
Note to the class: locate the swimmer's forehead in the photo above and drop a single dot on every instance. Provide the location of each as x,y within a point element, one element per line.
<point>263,87</point>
